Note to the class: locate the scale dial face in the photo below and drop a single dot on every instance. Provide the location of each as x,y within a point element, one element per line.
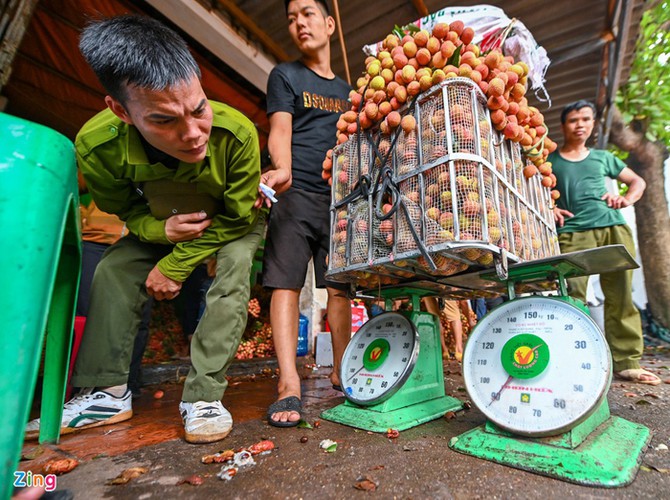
<point>379,358</point>
<point>537,366</point>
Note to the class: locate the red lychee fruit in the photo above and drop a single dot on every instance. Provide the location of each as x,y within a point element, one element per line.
<point>408,123</point>
<point>496,87</point>
<point>466,35</point>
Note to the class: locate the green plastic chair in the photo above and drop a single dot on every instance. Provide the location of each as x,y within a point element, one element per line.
<point>40,251</point>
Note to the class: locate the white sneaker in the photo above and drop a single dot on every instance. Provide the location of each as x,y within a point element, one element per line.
<point>205,422</point>
<point>89,409</point>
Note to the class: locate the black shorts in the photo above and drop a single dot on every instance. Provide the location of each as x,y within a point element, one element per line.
<point>298,230</point>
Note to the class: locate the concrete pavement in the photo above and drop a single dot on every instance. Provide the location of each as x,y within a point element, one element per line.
<point>417,464</point>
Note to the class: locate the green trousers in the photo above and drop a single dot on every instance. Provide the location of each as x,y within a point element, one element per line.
<point>118,295</point>
<point>623,329</point>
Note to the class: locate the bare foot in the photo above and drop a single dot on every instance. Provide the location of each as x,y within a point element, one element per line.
<point>638,376</point>
<point>287,389</point>
<point>334,379</point>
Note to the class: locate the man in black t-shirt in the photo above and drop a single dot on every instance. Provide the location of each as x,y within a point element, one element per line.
<point>304,101</point>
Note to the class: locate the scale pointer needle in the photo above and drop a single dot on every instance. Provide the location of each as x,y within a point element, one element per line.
<point>357,371</point>
<point>496,396</point>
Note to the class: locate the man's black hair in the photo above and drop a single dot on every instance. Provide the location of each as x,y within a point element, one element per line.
<point>321,3</point>
<point>576,106</point>
<point>136,50</point>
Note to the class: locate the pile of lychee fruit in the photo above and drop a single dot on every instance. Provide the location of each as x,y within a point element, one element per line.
<point>409,65</point>
<point>256,343</point>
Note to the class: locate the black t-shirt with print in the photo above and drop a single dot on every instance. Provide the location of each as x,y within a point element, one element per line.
<point>315,103</point>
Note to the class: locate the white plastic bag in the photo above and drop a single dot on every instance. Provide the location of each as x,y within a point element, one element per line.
<point>489,24</point>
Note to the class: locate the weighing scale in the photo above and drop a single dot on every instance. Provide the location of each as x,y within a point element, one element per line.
<point>391,373</point>
<point>539,369</point>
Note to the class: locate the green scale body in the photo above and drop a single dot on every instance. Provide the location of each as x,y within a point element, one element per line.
<point>539,368</point>
<point>392,374</point>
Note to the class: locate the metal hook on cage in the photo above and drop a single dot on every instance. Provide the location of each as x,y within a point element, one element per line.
<point>387,186</point>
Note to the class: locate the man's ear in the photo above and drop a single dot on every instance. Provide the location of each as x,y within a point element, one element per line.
<point>330,25</point>
<point>118,109</point>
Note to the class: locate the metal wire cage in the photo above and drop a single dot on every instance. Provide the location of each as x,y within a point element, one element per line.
<point>434,201</point>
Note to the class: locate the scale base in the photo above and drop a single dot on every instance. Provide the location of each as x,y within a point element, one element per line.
<point>368,419</point>
<point>609,457</point>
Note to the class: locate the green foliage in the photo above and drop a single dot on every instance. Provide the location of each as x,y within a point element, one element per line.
<point>646,94</point>
<point>408,29</point>
<point>618,152</point>
<point>622,188</point>
<point>455,58</point>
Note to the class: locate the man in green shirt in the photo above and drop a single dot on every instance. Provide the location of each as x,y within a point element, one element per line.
<point>183,173</point>
<point>588,216</point>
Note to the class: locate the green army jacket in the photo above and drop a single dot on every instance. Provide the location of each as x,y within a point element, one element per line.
<point>113,162</point>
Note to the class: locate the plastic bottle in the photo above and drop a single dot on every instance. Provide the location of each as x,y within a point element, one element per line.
<point>303,335</point>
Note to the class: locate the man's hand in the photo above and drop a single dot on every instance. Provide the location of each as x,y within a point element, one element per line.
<point>278,179</point>
<point>160,287</point>
<point>615,200</point>
<point>186,227</point>
<point>560,215</point>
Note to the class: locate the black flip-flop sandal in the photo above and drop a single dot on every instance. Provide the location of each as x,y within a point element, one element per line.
<point>291,403</point>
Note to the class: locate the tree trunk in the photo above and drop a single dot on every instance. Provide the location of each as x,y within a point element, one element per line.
<point>651,212</point>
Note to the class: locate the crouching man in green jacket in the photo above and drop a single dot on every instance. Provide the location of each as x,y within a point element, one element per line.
<point>183,173</point>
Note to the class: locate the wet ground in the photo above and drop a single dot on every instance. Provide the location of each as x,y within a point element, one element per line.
<point>416,464</point>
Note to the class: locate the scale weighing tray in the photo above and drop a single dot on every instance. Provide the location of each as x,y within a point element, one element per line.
<point>533,276</point>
